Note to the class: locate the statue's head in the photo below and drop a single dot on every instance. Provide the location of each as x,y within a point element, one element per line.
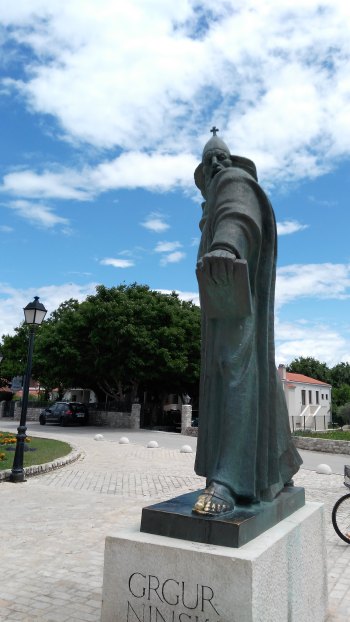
<point>216,157</point>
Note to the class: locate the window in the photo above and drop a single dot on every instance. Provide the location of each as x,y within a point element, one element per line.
<point>317,397</point>
<point>326,395</point>
<point>310,397</point>
<point>303,397</point>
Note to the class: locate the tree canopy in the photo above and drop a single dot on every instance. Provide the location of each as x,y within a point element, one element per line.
<point>309,366</point>
<point>343,412</point>
<point>130,339</point>
<point>123,339</point>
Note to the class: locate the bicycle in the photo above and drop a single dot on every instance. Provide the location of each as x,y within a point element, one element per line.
<point>341,510</point>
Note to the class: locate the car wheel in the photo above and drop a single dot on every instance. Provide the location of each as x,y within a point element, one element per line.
<point>42,420</point>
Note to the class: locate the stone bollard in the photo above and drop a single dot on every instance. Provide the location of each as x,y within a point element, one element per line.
<point>135,416</point>
<point>186,417</point>
<point>17,412</point>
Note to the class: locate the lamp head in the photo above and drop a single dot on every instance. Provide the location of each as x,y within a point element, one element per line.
<point>34,312</point>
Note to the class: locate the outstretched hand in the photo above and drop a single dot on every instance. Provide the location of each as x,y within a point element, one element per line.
<point>218,266</point>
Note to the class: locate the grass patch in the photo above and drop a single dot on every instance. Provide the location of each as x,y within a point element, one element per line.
<point>40,450</point>
<point>333,435</point>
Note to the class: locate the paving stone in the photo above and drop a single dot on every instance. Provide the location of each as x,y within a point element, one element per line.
<point>58,523</point>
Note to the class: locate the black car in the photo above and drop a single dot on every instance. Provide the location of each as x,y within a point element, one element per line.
<point>64,413</point>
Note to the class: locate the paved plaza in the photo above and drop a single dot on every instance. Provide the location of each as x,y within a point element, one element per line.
<point>54,525</point>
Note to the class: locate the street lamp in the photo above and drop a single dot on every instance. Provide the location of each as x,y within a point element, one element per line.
<point>34,314</point>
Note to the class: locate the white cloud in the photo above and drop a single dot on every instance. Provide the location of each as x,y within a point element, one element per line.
<point>157,172</point>
<point>174,257</point>
<point>280,94</point>
<point>289,226</point>
<point>166,247</point>
<point>12,301</point>
<point>321,341</point>
<point>312,281</point>
<point>187,296</point>
<point>117,263</point>
<point>63,185</point>
<point>136,169</point>
<point>37,214</point>
<point>302,337</point>
<point>6,229</point>
<point>156,223</point>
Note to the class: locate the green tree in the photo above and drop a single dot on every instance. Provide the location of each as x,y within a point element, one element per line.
<point>343,413</point>
<point>57,355</point>
<point>14,349</point>
<point>140,339</point>
<point>340,395</point>
<point>340,374</point>
<point>122,340</point>
<point>309,366</point>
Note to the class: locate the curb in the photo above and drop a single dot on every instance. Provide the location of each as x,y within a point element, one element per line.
<point>40,469</point>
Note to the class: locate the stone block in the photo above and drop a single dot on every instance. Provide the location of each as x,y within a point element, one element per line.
<point>280,576</point>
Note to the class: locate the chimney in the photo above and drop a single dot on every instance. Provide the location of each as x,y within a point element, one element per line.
<point>282,371</point>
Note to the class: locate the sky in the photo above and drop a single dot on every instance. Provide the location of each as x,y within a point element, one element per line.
<point>104,111</point>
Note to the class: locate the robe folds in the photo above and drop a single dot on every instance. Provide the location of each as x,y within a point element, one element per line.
<point>244,438</point>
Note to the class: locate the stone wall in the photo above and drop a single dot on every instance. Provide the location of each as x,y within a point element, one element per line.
<point>303,442</point>
<point>129,421</point>
<point>98,418</point>
<point>110,419</point>
<point>32,413</point>
<point>320,444</point>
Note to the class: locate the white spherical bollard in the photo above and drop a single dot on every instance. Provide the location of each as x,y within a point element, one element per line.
<point>99,437</point>
<point>324,469</point>
<point>124,440</point>
<point>152,445</point>
<point>186,449</point>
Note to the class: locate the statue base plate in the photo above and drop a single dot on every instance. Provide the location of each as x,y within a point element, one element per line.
<point>174,518</point>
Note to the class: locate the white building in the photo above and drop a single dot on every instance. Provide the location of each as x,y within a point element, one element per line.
<point>86,396</point>
<point>308,401</point>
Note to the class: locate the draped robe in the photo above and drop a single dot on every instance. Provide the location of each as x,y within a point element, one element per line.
<point>244,439</point>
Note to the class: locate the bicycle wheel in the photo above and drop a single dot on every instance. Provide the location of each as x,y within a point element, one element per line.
<point>341,518</point>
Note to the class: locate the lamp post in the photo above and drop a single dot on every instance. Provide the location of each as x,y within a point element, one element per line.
<point>34,314</point>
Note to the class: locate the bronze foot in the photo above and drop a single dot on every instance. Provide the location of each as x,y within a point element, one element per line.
<point>216,499</point>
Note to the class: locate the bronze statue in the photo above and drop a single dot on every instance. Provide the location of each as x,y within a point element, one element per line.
<point>245,449</point>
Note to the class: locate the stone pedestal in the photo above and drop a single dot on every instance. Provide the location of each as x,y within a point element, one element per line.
<point>186,417</point>
<point>280,576</point>
<point>135,416</point>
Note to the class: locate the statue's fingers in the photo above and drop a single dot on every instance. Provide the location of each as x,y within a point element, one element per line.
<point>216,271</point>
<point>230,271</point>
<point>226,270</point>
